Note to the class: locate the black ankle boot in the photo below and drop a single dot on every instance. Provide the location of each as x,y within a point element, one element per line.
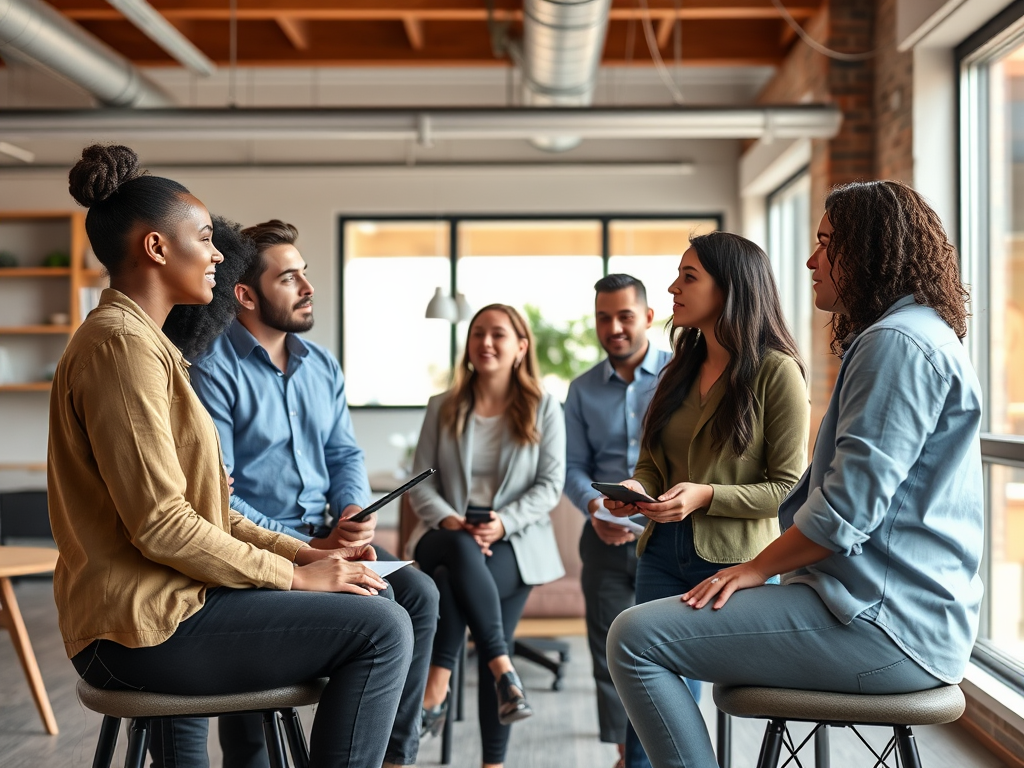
<point>432,720</point>
<point>512,705</point>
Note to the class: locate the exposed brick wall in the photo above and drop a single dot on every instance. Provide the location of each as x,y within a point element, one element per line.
<point>893,100</point>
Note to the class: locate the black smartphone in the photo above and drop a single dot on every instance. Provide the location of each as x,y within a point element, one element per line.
<point>358,517</point>
<point>622,493</point>
<point>478,515</point>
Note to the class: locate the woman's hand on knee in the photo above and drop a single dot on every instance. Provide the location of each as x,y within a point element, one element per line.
<point>334,574</point>
<point>723,584</point>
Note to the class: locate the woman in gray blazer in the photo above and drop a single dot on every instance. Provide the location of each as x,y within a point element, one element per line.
<point>484,532</point>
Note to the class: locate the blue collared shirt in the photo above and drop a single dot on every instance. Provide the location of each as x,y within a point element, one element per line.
<point>604,418</point>
<point>287,438</point>
<point>895,490</point>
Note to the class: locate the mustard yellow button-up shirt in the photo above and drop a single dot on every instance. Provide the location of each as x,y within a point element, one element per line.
<point>137,494</point>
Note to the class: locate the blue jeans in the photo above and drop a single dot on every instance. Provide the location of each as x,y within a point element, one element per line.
<point>669,566</point>
<point>773,636</point>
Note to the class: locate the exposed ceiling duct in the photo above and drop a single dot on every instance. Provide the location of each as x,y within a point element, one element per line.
<point>562,45</point>
<point>791,121</point>
<point>158,29</point>
<point>41,35</point>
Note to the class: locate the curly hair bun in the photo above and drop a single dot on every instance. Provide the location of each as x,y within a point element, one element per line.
<point>100,172</point>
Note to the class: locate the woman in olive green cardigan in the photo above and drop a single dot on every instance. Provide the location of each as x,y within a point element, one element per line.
<point>725,437</point>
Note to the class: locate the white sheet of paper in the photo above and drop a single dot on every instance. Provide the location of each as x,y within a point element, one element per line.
<point>383,568</point>
<point>625,522</point>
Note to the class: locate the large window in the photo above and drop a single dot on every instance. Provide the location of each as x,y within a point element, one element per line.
<point>992,243</point>
<point>789,246</point>
<point>393,355</point>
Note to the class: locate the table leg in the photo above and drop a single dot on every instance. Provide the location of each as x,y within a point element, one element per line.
<point>11,618</point>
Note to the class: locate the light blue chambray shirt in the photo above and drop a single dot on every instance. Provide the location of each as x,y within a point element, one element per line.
<point>287,438</point>
<point>604,418</point>
<point>895,490</point>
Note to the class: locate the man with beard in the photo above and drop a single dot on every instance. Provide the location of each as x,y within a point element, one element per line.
<point>278,402</point>
<point>604,414</point>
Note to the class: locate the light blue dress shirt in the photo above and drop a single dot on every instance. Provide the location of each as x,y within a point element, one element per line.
<point>895,490</point>
<point>287,438</point>
<point>604,418</point>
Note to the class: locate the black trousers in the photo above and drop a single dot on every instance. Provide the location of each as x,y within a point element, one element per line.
<point>241,736</point>
<point>486,594</point>
<point>609,587</point>
<point>253,639</point>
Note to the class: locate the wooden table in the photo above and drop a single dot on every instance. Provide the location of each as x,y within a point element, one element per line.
<point>24,561</point>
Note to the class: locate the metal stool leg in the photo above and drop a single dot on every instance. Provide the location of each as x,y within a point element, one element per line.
<point>275,746</point>
<point>907,746</point>
<point>771,745</point>
<point>296,738</point>
<point>107,741</point>
<point>724,739</point>
<point>136,754</point>
<point>821,751</point>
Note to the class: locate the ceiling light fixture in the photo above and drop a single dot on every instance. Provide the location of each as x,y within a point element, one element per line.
<point>17,152</point>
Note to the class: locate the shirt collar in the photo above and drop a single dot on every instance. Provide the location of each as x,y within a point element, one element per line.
<point>649,364</point>
<point>115,297</point>
<point>244,342</point>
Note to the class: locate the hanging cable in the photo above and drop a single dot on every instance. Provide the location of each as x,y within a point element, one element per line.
<point>232,52</point>
<point>815,45</point>
<point>659,63</point>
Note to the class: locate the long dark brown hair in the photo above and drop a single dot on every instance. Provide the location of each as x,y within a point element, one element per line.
<point>526,394</point>
<point>751,323</point>
<point>887,243</point>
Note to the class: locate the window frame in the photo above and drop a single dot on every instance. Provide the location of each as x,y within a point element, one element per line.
<point>453,221</point>
<point>971,60</point>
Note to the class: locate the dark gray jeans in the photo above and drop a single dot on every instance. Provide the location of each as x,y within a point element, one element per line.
<point>246,640</point>
<point>609,588</point>
<point>241,736</point>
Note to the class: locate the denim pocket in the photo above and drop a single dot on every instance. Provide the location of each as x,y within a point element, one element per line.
<point>899,677</point>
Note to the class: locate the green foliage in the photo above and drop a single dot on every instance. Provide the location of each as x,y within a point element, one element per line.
<point>565,350</point>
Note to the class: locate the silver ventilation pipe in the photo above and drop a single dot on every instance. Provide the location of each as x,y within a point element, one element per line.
<point>41,35</point>
<point>562,45</point>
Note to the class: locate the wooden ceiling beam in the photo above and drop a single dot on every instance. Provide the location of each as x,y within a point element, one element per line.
<point>296,30</point>
<point>448,10</point>
<point>414,31</point>
<point>665,26</point>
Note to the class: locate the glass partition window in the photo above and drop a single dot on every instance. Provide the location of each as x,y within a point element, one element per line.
<point>546,270</point>
<point>650,251</point>
<point>392,355</point>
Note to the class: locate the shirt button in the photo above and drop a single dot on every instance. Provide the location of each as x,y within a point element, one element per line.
<point>632,414</point>
<point>291,413</point>
<point>299,453</point>
<point>632,442</point>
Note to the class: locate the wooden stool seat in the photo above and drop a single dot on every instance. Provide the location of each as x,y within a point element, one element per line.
<point>25,561</point>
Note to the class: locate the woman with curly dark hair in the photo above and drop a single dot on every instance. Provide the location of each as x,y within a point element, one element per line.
<point>884,530</point>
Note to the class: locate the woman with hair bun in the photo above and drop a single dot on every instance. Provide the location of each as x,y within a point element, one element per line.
<point>159,585</point>
<point>883,533</point>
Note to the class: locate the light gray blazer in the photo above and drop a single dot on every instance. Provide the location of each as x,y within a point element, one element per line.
<point>532,477</point>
